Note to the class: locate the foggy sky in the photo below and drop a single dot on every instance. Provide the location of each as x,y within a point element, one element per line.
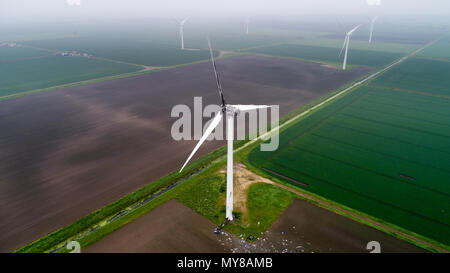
<point>27,9</point>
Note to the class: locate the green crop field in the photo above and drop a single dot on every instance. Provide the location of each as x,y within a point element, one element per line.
<point>8,54</point>
<point>420,75</point>
<point>440,50</point>
<point>329,54</point>
<point>25,75</point>
<point>233,41</point>
<point>380,151</point>
<point>136,52</point>
<point>356,44</point>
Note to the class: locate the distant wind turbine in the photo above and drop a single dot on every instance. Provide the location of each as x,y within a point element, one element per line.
<point>371,28</point>
<point>345,45</point>
<point>230,111</point>
<point>247,22</point>
<point>181,24</point>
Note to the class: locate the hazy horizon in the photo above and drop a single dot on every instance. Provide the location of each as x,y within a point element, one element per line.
<point>27,10</point>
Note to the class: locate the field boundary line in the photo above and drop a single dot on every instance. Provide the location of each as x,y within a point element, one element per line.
<point>336,66</point>
<point>410,91</point>
<point>433,59</point>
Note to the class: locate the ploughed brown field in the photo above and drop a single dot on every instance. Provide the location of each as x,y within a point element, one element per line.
<point>171,227</point>
<point>67,152</point>
<point>303,227</point>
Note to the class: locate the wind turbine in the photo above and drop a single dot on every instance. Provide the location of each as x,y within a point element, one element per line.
<point>371,28</point>
<point>247,22</point>
<point>181,23</point>
<point>230,111</point>
<point>345,45</point>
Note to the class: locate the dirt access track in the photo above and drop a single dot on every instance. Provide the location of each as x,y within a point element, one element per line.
<point>68,152</point>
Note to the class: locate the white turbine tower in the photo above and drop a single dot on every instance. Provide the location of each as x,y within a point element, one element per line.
<point>181,23</point>
<point>230,111</point>
<point>247,22</point>
<point>371,29</point>
<point>346,42</point>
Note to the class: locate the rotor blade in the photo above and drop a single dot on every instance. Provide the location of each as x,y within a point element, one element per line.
<point>353,30</point>
<point>249,107</point>
<point>343,46</point>
<point>184,21</point>
<point>219,85</point>
<point>216,120</point>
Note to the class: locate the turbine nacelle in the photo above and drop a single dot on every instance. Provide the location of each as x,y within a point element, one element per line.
<point>228,110</point>
<point>231,110</point>
<point>182,22</point>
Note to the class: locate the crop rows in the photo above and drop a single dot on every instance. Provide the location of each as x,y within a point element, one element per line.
<point>428,76</point>
<point>380,151</point>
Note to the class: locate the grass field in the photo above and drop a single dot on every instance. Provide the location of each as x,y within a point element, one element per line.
<point>329,54</point>
<point>380,151</point>
<point>130,51</point>
<point>420,75</point>
<point>24,75</point>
